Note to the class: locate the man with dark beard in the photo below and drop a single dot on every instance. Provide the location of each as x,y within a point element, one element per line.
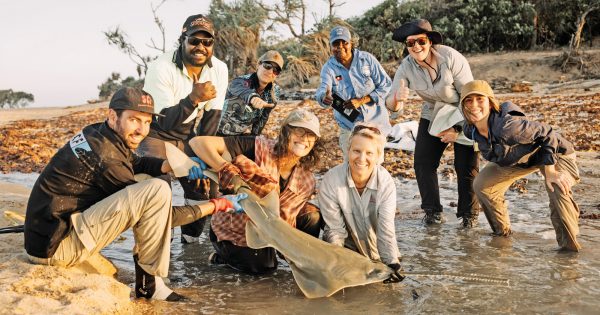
<point>186,83</point>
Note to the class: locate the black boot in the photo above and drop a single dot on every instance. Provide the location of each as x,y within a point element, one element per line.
<point>152,287</point>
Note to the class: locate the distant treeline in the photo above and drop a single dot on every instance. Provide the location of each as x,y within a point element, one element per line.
<point>468,25</point>
<point>480,25</point>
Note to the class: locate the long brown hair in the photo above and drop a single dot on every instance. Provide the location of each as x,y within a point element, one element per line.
<point>307,162</point>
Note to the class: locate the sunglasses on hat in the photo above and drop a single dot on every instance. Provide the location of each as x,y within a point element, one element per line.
<point>422,41</point>
<point>358,128</point>
<point>195,41</point>
<point>270,66</point>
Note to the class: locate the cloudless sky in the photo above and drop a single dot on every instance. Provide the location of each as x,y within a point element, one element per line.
<point>56,49</point>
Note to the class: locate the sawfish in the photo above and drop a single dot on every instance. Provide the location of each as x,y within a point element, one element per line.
<point>320,269</point>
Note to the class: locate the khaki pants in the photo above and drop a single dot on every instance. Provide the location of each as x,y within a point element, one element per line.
<point>145,207</point>
<point>493,181</point>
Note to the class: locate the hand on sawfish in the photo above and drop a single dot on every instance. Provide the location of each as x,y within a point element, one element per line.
<point>229,203</point>
<point>396,276</point>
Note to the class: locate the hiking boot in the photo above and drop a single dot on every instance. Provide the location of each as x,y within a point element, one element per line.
<point>432,217</point>
<point>152,287</point>
<point>215,259</point>
<point>470,221</point>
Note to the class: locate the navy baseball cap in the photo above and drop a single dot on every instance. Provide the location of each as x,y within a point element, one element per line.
<point>129,98</point>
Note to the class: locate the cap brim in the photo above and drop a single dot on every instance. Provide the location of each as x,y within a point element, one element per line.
<point>196,30</point>
<point>347,40</point>
<point>306,126</point>
<point>401,33</point>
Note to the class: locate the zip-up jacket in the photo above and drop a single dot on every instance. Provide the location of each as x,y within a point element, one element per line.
<point>514,140</point>
<point>238,116</point>
<point>93,165</point>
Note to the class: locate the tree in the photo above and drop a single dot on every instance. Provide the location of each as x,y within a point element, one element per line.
<point>119,38</point>
<point>114,83</point>
<point>287,13</point>
<point>15,99</point>
<point>239,27</point>
<point>332,5</point>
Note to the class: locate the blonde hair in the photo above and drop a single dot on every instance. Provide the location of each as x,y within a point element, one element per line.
<point>371,132</point>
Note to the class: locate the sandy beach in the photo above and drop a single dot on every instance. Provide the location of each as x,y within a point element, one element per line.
<point>30,136</point>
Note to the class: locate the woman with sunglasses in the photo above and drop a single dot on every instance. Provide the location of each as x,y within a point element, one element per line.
<point>436,73</point>
<point>358,199</point>
<point>251,98</point>
<point>288,162</point>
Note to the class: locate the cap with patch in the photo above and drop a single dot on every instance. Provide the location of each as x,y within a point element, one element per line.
<point>304,119</point>
<point>272,56</point>
<point>198,23</point>
<point>339,32</point>
<point>129,98</point>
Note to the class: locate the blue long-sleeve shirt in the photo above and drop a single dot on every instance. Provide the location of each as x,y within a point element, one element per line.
<point>365,77</point>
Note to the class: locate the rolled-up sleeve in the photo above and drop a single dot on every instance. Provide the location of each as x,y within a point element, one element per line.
<point>326,83</point>
<point>461,71</point>
<point>335,228</point>
<point>386,228</point>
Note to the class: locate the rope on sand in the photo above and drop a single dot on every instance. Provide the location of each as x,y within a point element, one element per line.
<point>463,276</point>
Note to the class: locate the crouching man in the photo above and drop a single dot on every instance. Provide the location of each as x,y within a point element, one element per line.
<point>87,196</point>
<point>515,147</point>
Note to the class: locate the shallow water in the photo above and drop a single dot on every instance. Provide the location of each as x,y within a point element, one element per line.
<point>443,264</point>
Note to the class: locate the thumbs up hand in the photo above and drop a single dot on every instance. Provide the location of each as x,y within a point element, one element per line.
<point>402,91</point>
<point>202,92</point>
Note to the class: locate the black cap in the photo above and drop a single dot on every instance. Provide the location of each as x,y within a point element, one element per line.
<point>416,27</point>
<point>198,23</point>
<point>133,99</point>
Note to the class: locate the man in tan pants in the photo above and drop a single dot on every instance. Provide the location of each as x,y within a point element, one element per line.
<point>515,147</point>
<point>87,195</point>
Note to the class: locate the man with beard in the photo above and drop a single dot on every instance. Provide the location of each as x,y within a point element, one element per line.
<point>87,196</point>
<point>186,83</point>
<point>357,79</point>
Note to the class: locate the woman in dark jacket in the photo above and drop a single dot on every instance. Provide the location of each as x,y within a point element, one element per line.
<point>516,147</point>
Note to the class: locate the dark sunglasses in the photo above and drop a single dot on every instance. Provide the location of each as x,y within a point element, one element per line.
<point>270,66</point>
<point>195,41</point>
<point>358,128</point>
<point>422,41</point>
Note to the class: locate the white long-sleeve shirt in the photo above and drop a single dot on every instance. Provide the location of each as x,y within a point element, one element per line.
<point>168,84</point>
<point>368,218</point>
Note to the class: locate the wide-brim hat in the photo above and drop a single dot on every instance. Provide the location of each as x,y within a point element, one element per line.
<point>304,119</point>
<point>420,26</point>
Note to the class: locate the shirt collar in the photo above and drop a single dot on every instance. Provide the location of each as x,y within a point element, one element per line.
<point>371,184</point>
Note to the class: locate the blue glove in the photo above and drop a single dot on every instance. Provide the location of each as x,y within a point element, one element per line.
<point>197,172</point>
<point>235,201</point>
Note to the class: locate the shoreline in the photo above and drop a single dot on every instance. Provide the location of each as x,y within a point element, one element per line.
<point>8,116</point>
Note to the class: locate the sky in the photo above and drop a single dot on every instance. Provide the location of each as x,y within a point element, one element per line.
<point>56,50</point>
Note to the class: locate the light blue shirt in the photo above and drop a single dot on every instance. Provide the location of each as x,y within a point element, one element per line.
<point>365,77</point>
